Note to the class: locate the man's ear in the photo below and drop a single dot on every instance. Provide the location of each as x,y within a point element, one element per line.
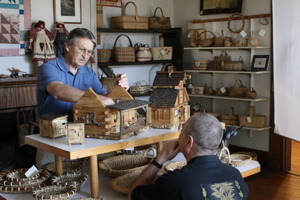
<point>190,141</point>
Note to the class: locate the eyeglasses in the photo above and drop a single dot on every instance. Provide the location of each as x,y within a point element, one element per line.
<point>84,50</point>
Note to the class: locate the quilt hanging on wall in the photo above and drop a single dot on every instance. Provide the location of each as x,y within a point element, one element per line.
<point>15,21</point>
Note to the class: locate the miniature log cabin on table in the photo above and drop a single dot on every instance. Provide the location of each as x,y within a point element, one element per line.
<point>169,100</point>
<point>115,122</point>
<point>53,125</point>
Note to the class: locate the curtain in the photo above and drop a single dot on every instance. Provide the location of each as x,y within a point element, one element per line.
<point>286,43</point>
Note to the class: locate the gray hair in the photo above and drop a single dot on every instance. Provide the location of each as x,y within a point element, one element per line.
<point>80,33</point>
<point>206,131</point>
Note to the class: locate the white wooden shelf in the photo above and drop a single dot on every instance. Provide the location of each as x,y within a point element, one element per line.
<point>229,98</point>
<point>226,48</point>
<point>227,72</point>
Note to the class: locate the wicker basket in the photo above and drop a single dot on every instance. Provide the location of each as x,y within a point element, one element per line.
<point>104,55</point>
<point>91,198</point>
<point>14,181</point>
<point>123,183</point>
<point>162,53</point>
<point>239,160</point>
<point>201,64</point>
<point>234,65</point>
<point>208,42</point>
<point>195,34</point>
<point>130,22</point>
<point>174,165</point>
<point>54,192</point>
<point>123,54</point>
<point>252,120</point>
<point>76,178</point>
<point>230,119</point>
<point>68,166</point>
<point>238,89</point>
<point>159,22</point>
<point>253,155</point>
<point>123,164</point>
<point>141,87</point>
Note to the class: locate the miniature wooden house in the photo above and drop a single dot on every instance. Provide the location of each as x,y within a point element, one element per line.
<point>117,121</point>
<point>169,100</point>
<point>76,133</point>
<point>53,125</point>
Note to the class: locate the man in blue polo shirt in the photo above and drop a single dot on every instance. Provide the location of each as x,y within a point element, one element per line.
<point>61,82</point>
<point>204,176</point>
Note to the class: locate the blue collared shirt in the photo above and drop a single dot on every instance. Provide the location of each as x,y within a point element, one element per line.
<point>57,70</point>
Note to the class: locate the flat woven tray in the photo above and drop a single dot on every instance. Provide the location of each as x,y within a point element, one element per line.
<point>123,183</point>
<point>76,178</point>
<point>68,166</point>
<point>239,160</point>
<point>174,165</point>
<point>54,192</point>
<point>15,181</point>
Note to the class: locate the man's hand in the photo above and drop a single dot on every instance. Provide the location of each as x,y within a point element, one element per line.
<point>123,81</point>
<point>169,150</point>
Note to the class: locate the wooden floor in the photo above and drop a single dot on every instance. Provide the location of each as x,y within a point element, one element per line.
<point>277,185</point>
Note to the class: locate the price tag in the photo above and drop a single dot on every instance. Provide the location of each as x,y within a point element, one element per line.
<point>249,120</point>
<point>196,108</point>
<point>31,171</point>
<point>243,33</point>
<point>262,32</point>
<point>223,89</point>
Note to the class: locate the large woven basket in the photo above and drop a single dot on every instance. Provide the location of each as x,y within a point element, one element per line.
<point>253,155</point>
<point>123,54</point>
<point>234,65</point>
<point>76,178</point>
<point>130,22</point>
<point>231,118</point>
<point>239,160</point>
<point>123,164</point>
<point>123,183</point>
<point>162,53</point>
<point>54,192</point>
<point>159,22</point>
<point>104,55</point>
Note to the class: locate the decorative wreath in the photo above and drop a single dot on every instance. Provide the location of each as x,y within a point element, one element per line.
<point>234,16</point>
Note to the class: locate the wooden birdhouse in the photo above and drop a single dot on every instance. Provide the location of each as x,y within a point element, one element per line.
<point>117,121</point>
<point>53,125</point>
<point>169,100</point>
<point>76,133</point>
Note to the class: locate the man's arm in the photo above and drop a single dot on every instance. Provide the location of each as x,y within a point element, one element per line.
<point>168,152</point>
<point>67,93</point>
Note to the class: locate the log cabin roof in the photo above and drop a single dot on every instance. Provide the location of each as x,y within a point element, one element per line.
<point>162,79</point>
<point>52,116</point>
<point>129,104</point>
<point>163,97</point>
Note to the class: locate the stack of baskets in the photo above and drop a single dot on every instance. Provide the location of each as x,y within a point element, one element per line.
<point>125,168</point>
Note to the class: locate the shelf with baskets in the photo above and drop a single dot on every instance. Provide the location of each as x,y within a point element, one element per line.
<point>171,37</point>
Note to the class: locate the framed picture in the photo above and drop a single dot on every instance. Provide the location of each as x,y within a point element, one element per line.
<point>208,7</point>
<point>260,62</point>
<point>112,3</point>
<point>67,11</point>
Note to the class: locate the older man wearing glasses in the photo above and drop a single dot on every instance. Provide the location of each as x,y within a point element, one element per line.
<point>61,82</point>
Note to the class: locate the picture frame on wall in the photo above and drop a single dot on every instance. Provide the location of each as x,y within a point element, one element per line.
<point>208,7</point>
<point>260,62</point>
<point>67,11</point>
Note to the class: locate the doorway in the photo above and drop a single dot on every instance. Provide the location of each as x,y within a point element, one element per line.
<point>295,158</point>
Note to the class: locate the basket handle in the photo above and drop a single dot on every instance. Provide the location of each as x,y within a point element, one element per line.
<point>136,10</point>
<point>143,81</point>
<point>208,32</point>
<point>231,111</point>
<point>165,66</point>
<point>252,111</point>
<point>224,52</point>
<point>105,165</point>
<point>241,58</point>
<point>226,151</point>
<point>161,11</point>
<point>202,23</point>
<point>148,150</point>
<point>119,37</point>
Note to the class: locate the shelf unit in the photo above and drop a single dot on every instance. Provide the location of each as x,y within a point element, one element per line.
<point>172,37</point>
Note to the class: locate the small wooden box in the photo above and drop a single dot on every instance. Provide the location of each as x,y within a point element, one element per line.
<point>197,90</point>
<point>76,133</point>
<point>53,125</point>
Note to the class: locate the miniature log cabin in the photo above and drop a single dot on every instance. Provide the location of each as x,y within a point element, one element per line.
<point>76,133</point>
<point>53,125</point>
<point>169,100</point>
<point>115,122</point>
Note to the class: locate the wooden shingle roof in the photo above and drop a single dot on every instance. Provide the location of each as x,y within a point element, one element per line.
<point>163,97</point>
<point>129,104</point>
<point>162,79</point>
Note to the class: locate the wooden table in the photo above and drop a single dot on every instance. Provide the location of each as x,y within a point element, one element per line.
<point>92,147</point>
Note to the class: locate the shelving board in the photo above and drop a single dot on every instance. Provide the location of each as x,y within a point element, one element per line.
<point>226,48</point>
<point>227,72</point>
<point>229,98</point>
